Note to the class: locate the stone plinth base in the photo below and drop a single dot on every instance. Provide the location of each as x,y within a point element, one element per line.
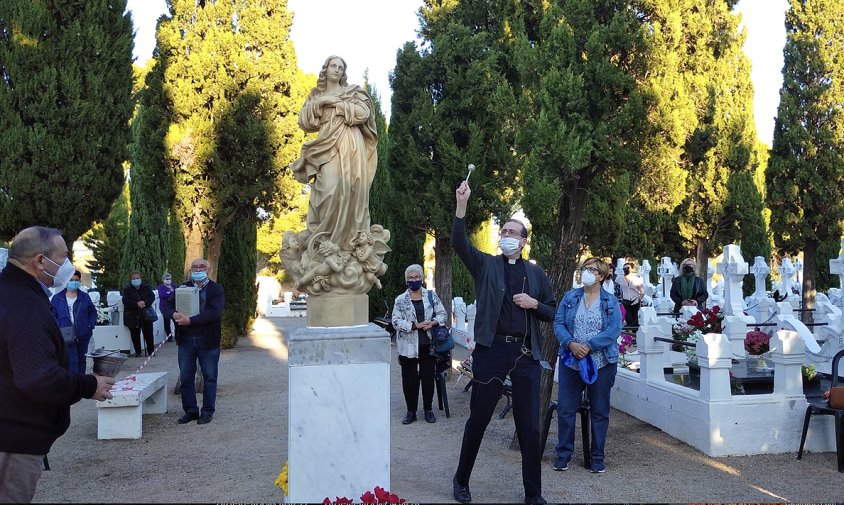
<point>339,425</point>
<point>333,311</point>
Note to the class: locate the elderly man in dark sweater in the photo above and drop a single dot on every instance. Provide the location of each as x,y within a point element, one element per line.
<point>37,387</point>
<point>513,295</point>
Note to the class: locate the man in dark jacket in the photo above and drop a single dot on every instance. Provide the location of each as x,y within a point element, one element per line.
<point>198,337</point>
<point>513,295</point>
<point>36,386</point>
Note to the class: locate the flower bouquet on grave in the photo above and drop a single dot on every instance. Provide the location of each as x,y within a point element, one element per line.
<point>104,315</point>
<point>708,320</point>
<point>687,333</point>
<point>626,343</point>
<point>757,342</point>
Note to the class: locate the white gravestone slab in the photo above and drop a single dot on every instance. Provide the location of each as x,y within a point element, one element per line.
<point>4,257</point>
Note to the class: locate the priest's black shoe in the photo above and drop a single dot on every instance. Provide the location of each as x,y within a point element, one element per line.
<point>188,418</point>
<point>461,493</point>
<point>429,417</point>
<point>409,417</point>
<point>535,500</point>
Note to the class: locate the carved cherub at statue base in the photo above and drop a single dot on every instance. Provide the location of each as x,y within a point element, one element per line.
<point>320,267</point>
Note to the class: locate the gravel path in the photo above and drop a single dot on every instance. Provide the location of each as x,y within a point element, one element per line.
<point>238,455</point>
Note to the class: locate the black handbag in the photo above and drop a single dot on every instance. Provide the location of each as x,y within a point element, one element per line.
<point>441,341</point>
<point>149,315</point>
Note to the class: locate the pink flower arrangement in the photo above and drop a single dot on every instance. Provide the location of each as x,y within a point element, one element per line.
<point>627,341</point>
<point>380,495</point>
<point>757,342</point>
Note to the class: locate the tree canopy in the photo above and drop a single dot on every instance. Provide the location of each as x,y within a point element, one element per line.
<point>65,104</point>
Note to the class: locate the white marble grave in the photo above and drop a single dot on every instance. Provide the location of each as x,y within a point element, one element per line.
<point>712,419</point>
<point>339,404</point>
<point>4,257</point>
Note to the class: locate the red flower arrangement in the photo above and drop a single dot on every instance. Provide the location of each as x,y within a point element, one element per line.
<point>757,342</point>
<point>708,321</point>
<point>381,495</point>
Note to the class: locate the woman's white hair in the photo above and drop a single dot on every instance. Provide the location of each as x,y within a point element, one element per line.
<point>414,268</point>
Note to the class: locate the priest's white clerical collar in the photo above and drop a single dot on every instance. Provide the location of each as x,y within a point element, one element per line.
<point>511,261</point>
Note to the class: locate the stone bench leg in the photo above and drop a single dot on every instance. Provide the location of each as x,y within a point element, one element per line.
<point>157,403</point>
<point>119,422</point>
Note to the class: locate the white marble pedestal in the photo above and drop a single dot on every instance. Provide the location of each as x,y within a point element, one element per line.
<point>339,426</point>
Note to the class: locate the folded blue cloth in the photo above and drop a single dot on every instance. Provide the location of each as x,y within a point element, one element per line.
<point>586,366</point>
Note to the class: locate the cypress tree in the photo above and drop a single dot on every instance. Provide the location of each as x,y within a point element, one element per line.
<point>805,177</point>
<point>700,132</point>
<point>380,201</point>
<point>238,262</point>
<point>452,106</point>
<point>579,65</point>
<point>175,248</point>
<point>723,141</point>
<point>150,182</point>
<point>106,240</point>
<point>228,59</point>
<point>65,103</point>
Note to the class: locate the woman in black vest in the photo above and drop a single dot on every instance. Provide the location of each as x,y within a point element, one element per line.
<point>137,296</point>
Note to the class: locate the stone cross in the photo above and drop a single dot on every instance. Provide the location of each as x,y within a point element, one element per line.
<point>733,268</point>
<point>787,271</point>
<point>836,266</point>
<point>760,271</point>
<point>4,257</point>
<point>619,268</point>
<point>645,272</point>
<point>666,272</point>
<point>798,265</point>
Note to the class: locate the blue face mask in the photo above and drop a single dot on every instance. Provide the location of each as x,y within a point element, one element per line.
<point>73,285</point>
<point>136,283</point>
<point>414,285</point>
<point>199,276</point>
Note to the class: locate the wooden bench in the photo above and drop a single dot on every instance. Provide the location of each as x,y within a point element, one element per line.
<point>121,416</point>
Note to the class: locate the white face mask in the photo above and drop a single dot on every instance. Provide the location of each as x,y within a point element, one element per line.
<point>63,274</point>
<point>508,245</point>
<point>587,278</point>
<point>167,282</point>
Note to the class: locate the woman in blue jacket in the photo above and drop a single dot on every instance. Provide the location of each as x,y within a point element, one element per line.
<point>75,308</point>
<point>588,324</point>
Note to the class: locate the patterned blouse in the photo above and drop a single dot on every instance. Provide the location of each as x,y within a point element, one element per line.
<point>587,324</point>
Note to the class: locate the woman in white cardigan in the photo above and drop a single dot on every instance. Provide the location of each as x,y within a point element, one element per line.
<point>415,312</point>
